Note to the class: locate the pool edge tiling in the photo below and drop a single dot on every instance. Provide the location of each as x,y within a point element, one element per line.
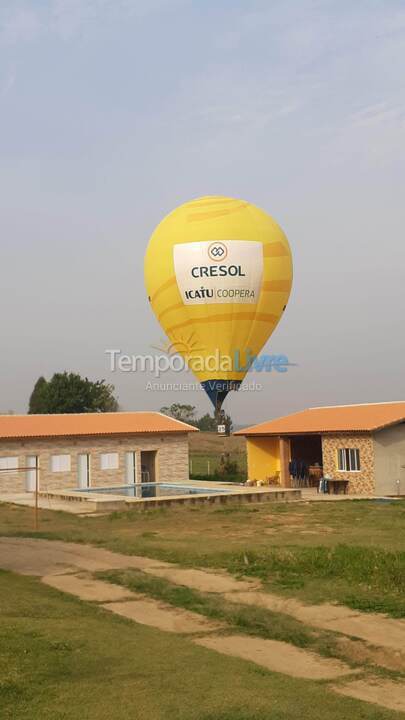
<point>141,491</point>
<point>97,501</point>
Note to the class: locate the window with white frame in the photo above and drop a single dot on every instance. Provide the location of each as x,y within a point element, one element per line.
<point>60,463</point>
<point>9,463</point>
<point>109,461</point>
<point>349,459</point>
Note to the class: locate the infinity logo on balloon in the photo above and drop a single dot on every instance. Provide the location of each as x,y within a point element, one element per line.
<point>217,251</point>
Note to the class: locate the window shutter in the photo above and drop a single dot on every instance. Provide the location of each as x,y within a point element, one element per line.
<point>60,463</point>
<point>9,463</point>
<point>109,461</point>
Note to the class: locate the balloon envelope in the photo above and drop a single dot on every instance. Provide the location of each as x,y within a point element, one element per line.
<point>218,273</point>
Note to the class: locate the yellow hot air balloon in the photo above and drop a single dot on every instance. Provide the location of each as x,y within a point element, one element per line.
<point>218,272</point>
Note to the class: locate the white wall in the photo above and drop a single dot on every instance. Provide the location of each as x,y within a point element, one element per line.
<point>389,450</point>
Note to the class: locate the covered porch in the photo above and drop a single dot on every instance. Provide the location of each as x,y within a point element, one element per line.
<point>285,460</point>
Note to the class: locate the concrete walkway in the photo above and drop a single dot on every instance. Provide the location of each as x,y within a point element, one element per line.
<point>27,499</point>
<point>68,567</point>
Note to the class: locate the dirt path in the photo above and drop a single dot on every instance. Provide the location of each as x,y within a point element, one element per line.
<point>277,656</point>
<point>376,629</point>
<point>133,606</point>
<point>29,556</point>
<point>87,588</point>
<point>164,617</point>
<point>202,580</point>
<point>373,690</point>
<point>49,557</point>
<point>68,567</point>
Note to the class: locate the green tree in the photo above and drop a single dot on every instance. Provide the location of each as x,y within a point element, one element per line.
<point>70,393</point>
<point>37,398</point>
<point>227,466</point>
<point>207,423</point>
<point>185,413</point>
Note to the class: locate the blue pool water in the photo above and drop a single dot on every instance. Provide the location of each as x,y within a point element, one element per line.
<point>151,490</point>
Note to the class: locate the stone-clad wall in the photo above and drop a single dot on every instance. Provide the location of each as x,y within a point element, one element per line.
<point>172,464</point>
<point>362,482</point>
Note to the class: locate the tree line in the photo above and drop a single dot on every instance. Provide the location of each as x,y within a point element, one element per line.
<point>68,392</point>
<point>188,414</point>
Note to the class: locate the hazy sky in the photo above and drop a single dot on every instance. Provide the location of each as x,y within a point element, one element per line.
<point>112,112</point>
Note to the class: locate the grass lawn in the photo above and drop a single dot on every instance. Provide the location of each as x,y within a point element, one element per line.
<point>206,450</point>
<point>61,659</point>
<point>352,552</point>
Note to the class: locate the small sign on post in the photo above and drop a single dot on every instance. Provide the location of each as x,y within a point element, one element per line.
<point>221,429</point>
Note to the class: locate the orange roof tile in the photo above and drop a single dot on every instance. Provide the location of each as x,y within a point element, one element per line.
<point>120,423</point>
<point>340,418</point>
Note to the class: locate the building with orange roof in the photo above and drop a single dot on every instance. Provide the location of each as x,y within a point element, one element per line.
<point>91,450</point>
<point>359,449</point>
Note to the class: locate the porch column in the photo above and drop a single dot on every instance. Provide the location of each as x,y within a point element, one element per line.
<point>284,462</point>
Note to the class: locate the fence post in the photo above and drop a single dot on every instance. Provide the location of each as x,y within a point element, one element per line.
<point>36,494</point>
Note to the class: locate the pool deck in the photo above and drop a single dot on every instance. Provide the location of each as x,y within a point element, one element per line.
<point>81,503</point>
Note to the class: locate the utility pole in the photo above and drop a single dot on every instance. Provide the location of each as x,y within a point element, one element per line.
<point>36,493</point>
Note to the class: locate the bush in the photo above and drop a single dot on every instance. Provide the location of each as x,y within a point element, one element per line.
<point>227,467</point>
<point>216,477</point>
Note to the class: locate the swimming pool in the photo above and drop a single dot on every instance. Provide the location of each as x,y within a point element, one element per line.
<point>151,490</point>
